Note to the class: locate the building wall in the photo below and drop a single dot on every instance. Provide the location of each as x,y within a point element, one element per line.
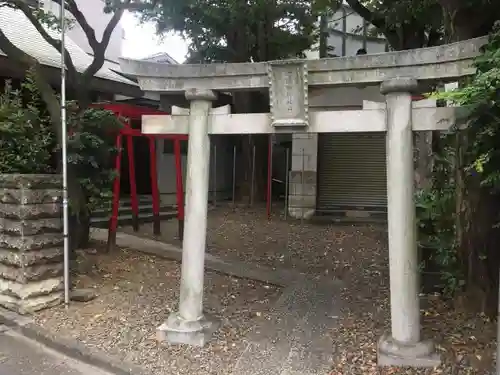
<point>95,16</point>
<point>349,33</point>
<point>302,198</point>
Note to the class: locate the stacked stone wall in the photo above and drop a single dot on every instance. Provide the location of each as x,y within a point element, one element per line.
<point>31,242</point>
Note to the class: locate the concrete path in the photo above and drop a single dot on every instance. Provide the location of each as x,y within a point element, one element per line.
<point>294,339</point>
<point>22,356</point>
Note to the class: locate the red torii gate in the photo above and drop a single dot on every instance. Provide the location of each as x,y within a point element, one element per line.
<point>125,113</point>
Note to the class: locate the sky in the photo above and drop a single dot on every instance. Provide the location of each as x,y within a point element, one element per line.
<point>141,40</point>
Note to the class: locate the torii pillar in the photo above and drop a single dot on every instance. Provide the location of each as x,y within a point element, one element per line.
<point>403,346</point>
<point>189,325</point>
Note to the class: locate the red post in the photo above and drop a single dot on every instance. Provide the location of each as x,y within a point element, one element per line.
<point>113,221</point>
<point>179,187</point>
<point>154,187</point>
<point>269,176</point>
<point>133,185</point>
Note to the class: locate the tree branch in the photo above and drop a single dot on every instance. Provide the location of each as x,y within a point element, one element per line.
<point>375,19</point>
<point>79,79</point>
<point>98,48</point>
<point>28,12</point>
<point>82,21</point>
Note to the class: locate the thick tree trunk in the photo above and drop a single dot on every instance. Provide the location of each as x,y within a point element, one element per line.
<point>464,20</point>
<point>80,228</point>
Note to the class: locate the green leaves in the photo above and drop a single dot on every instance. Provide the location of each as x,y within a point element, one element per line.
<point>28,143</point>
<point>481,96</point>
<point>26,140</point>
<point>91,146</point>
<point>240,30</point>
<point>466,178</point>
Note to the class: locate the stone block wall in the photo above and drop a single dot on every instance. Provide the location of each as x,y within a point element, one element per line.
<point>302,188</point>
<point>31,242</point>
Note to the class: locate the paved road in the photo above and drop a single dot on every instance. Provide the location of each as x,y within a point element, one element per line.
<point>21,356</point>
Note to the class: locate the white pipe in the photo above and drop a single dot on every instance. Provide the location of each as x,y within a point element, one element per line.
<point>252,184</point>
<point>215,177</point>
<point>234,175</point>
<point>64,157</point>
<point>287,162</point>
<point>271,182</point>
<point>302,187</point>
<point>498,331</point>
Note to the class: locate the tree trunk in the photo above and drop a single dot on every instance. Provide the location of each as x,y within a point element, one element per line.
<point>464,20</point>
<point>80,228</point>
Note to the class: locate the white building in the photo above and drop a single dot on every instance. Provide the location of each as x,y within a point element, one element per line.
<point>349,32</point>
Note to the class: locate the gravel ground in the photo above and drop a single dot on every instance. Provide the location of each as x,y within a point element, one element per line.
<point>136,293</point>
<point>246,235</point>
<point>358,255</point>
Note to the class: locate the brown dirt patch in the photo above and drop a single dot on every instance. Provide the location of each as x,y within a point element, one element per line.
<point>136,294</point>
<point>358,255</point>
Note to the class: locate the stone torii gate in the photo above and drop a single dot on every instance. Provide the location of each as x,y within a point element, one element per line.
<point>289,84</point>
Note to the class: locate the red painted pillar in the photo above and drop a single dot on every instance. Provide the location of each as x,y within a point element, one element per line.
<point>113,221</point>
<point>179,187</point>
<point>269,176</point>
<point>154,187</point>
<point>133,183</point>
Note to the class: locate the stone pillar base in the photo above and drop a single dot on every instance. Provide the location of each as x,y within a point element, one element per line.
<point>176,330</point>
<point>393,353</point>
<point>302,213</point>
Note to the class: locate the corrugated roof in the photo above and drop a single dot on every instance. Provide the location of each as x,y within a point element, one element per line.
<point>23,35</point>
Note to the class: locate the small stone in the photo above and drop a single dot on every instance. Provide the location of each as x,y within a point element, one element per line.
<point>82,295</point>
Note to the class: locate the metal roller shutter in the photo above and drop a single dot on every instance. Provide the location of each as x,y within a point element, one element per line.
<point>351,171</point>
